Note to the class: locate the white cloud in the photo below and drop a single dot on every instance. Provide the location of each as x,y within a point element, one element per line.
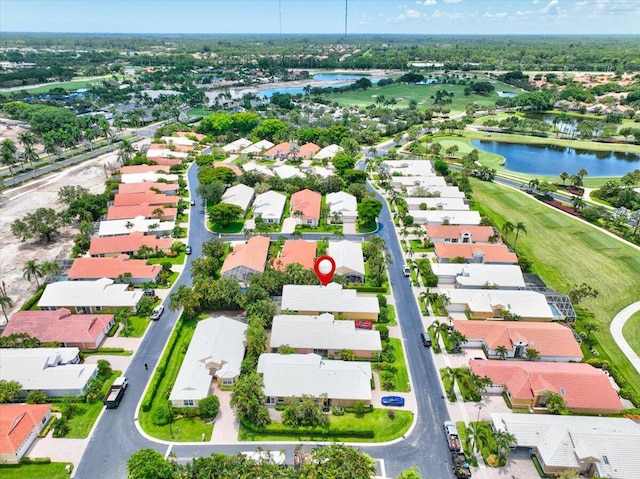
<point>549,6</point>
<point>495,15</point>
<point>413,13</point>
<point>452,1</point>
<point>408,14</point>
<point>427,3</point>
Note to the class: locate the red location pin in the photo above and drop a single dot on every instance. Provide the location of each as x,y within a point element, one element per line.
<point>325,267</point>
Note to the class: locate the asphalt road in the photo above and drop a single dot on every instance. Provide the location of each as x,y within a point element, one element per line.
<point>115,437</point>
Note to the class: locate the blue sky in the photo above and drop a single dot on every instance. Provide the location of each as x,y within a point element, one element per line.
<point>323,16</point>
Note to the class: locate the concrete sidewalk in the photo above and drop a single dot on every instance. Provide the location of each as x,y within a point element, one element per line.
<point>616,331</point>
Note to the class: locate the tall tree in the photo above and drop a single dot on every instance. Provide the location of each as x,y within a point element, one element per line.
<point>5,300</point>
<point>8,154</point>
<point>248,400</point>
<point>32,270</point>
<point>520,228</point>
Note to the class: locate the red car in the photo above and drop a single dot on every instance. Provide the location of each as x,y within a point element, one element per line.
<point>364,324</point>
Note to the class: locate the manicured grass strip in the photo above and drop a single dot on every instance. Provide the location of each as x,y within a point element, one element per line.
<point>631,332</point>
<point>235,227</point>
<point>177,260</point>
<point>562,257</point>
<point>54,470</point>
<point>82,420</point>
<point>598,241</point>
<point>139,325</point>
<point>402,376</point>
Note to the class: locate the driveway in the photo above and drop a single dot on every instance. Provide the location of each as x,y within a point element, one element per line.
<point>288,226</point>
<point>349,229</point>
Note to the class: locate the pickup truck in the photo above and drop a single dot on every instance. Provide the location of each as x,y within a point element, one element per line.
<point>460,465</point>
<point>452,435</point>
<point>114,396</point>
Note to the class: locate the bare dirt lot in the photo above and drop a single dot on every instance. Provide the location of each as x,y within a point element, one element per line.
<point>39,193</point>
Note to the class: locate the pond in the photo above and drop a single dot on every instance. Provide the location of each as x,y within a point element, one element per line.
<point>298,90</point>
<point>570,126</point>
<point>338,76</point>
<point>507,94</point>
<point>551,160</point>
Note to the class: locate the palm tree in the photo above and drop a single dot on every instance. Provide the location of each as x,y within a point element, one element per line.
<point>502,351</point>
<point>125,152</point>
<point>476,433</point>
<point>50,268</point>
<point>28,140</point>
<point>438,328</point>
<point>578,203</point>
<point>504,441</point>
<point>508,227</point>
<point>582,172</point>
<point>5,300</point>
<point>531,354</point>
<point>8,154</point>
<point>520,228</point>
<point>32,269</point>
<point>564,176</point>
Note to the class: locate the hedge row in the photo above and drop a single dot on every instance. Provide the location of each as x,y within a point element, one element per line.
<point>282,430</point>
<point>159,375</point>
<point>31,302</point>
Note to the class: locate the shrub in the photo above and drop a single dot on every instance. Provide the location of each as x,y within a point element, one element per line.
<point>35,460</point>
<point>60,427</point>
<point>391,414</point>
<point>209,407</point>
<point>163,415</point>
<point>36,397</point>
<point>30,303</point>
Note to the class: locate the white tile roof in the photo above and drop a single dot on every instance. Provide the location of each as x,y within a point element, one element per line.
<point>562,440</point>
<point>253,166</point>
<point>440,203</point>
<point>328,152</point>
<point>410,167</point>
<point>239,195</point>
<point>139,223</point>
<point>217,342</point>
<point>287,171</point>
<point>166,153</point>
<point>178,140</point>
<point>320,171</point>
<point>289,375</point>
<point>455,217</point>
<point>322,332</point>
<point>331,298</point>
<point>102,292</point>
<point>257,148</point>
<point>344,203</point>
<point>348,257</point>
<point>149,176</point>
<point>236,146</point>
<point>440,191</point>
<point>474,275</point>
<point>269,205</point>
<point>424,181</point>
<point>522,303</point>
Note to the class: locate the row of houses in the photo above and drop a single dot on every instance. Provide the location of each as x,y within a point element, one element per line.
<point>285,150</point>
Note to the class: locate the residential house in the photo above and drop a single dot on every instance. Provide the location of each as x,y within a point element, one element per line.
<point>150,198</point>
<point>321,171</point>
<point>161,213</point>
<point>135,271</point>
<point>261,169</point>
<point>594,446</point>
<point>110,246</point>
<point>287,172</point>
<point>349,259</point>
<point>57,372</point>
<point>336,383</point>
<point>478,276</point>
<point>269,206</point>
<point>495,303</point>
<point>422,203</point>
<point>281,150</point>
<point>237,146</point>
<point>239,195</point>
<point>161,160</point>
<point>147,177</point>
<point>307,151</point>
<point>221,164</point>
<point>84,297</point>
<point>176,151</point>
<point>328,152</point>
<point>323,335</point>
<point>140,169</point>
<point>409,167</point>
<point>246,259</point>
<point>475,253</point>
<point>257,148</point>
<point>179,141</point>
<point>442,191</point>
<point>296,251</point>
<point>139,223</point>
<point>554,342</point>
<point>403,182</point>
<point>461,234</point>
<point>308,203</point>
<point>20,425</point>
<point>343,207</point>
<point>447,217</point>
<point>314,300</point>
<point>148,186</point>
<point>585,389</point>
<point>216,351</point>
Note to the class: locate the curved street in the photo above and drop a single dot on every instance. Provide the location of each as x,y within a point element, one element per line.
<point>616,331</point>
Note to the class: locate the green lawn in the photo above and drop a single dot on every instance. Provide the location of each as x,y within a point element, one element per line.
<point>82,421</point>
<point>70,85</point>
<point>418,246</point>
<point>366,228</point>
<point>402,376</point>
<point>200,112</point>
<point>54,470</point>
<point>139,325</point>
<point>235,227</point>
<point>385,429</point>
<point>631,331</point>
<point>177,260</point>
<point>565,252</point>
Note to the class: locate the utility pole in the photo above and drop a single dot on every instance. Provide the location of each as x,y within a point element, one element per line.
<point>346,10</point>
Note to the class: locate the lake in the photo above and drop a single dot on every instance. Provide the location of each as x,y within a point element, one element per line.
<point>299,90</point>
<point>550,160</point>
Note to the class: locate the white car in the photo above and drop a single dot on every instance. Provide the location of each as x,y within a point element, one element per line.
<point>406,270</point>
<point>157,312</point>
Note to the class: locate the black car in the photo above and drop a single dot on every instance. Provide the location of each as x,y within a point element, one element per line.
<point>426,340</point>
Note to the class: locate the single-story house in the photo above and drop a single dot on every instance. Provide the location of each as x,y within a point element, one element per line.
<point>402,182</point>
<point>56,372</point>
<point>147,177</point>
<point>20,425</point>
<point>84,297</point>
<point>83,331</point>
<point>161,160</point>
<point>95,268</point>
<point>139,223</point>
<point>461,234</point>
<point>490,303</point>
<point>409,167</point>
<point>328,152</point>
<point>269,206</point>
<point>137,169</point>
<point>441,191</point>
<point>287,171</point>
<point>337,383</point>
<point>160,150</point>
<point>261,169</point>
<point>246,259</point>
<point>451,217</point>
<point>594,446</point>
<point>296,251</point>
<point>313,300</point>
<point>323,335</point>
<point>149,198</point>
<point>281,150</point>
<point>585,389</point>
<point>554,342</point>
<point>237,146</point>
<point>343,207</point>
<point>179,140</point>
<point>147,187</point>
<point>257,148</point>
<point>485,253</point>
<point>421,203</point>
<point>110,246</point>
<point>321,171</point>
<point>216,351</point>
<point>235,168</point>
<point>308,203</point>
<point>145,210</point>
<point>349,259</point>
<point>306,151</point>
<point>239,195</point>
<point>478,276</point>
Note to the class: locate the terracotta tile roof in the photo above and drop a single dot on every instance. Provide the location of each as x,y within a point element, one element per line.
<point>96,268</point>
<point>161,160</point>
<point>308,202</point>
<point>130,242</point>
<point>549,339</point>
<point>235,168</point>
<point>150,198</point>
<point>146,187</point>
<point>251,255</point>
<point>133,211</point>
<point>279,149</point>
<point>16,423</point>
<point>477,233</point>
<point>128,170</point>
<point>493,253</point>
<point>307,150</point>
<point>58,326</point>
<point>581,385</point>
<point>185,134</point>
<point>296,251</point>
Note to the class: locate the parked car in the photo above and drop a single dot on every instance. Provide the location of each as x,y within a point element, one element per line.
<point>149,292</point>
<point>364,324</point>
<point>193,202</point>
<point>406,270</point>
<point>157,312</point>
<point>187,250</point>
<point>426,340</point>
<point>392,401</point>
